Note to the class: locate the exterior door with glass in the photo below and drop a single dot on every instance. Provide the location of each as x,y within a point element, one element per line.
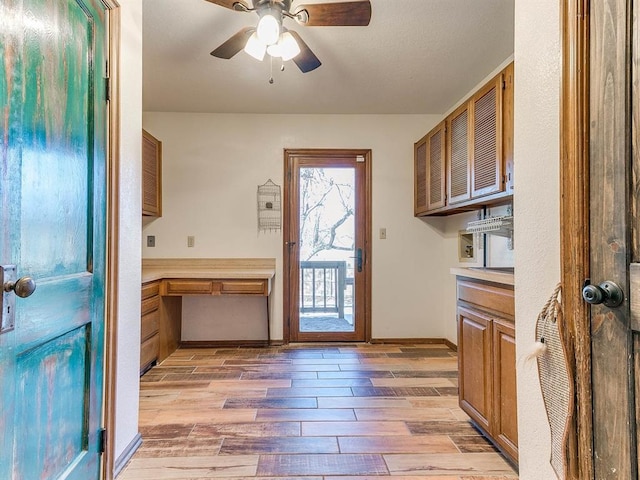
<point>327,212</point>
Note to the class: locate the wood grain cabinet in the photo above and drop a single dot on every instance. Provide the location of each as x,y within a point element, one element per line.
<point>466,161</point>
<point>151,175</point>
<point>430,171</point>
<point>487,361</point>
<point>149,325</point>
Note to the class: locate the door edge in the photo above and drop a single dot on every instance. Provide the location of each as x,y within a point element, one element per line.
<point>112,245</point>
<point>574,230</point>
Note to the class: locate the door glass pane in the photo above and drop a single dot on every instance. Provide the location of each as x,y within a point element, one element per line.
<point>327,241</point>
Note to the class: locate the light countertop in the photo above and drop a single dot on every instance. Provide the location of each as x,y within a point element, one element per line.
<point>496,275</point>
<point>213,268</point>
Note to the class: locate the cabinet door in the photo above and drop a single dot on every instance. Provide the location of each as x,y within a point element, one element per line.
<point>420,176</point>
<point>459,155</point>
<point>487,165</point>
<point>505,422</point>
<point>436,168</point>
<point>149,325</point>
<point>151,175</point>
<point>474,363</point>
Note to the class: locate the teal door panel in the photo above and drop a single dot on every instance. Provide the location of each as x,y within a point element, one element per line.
<point>53,215</point>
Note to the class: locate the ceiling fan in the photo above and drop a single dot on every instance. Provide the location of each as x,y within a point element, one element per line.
<point>270,36</point>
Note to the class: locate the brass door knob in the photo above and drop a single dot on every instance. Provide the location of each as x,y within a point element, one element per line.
<point>23,287</point>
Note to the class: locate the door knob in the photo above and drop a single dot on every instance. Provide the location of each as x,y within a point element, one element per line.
<point>23,287</point>
<point>608,293</point>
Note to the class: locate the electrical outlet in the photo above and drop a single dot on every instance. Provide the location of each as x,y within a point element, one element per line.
<point>383,234</point>
<point>151,240</point>
<point>191,241</point>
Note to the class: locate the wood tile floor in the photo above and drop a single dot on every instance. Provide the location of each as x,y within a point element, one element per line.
<point>313,412</point>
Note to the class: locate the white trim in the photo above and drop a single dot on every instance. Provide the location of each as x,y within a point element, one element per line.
<point>126,455</point>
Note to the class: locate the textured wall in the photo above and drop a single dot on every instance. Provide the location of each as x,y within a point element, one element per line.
<point>537,230</point>
<point>128,364</point>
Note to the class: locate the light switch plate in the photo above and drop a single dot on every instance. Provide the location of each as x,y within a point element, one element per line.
<point>151,240</point>
<point>191,241</point>
<point>383,234</point>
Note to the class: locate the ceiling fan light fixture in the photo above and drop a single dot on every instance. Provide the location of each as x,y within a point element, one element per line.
<point>255,47</point>
<point>268,29</point>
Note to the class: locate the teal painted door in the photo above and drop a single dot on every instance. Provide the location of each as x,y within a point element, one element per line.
<point>52,194</point>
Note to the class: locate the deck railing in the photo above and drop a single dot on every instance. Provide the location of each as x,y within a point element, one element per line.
<point>322,286</point>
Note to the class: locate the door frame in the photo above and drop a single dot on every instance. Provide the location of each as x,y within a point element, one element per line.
<point>290,290</point>
<point>112,240</point>
<point>574,230</point>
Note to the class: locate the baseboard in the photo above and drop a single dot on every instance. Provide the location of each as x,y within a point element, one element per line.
<point>126,455</point>
<point>450,344</point>
<point>416,341</point>
<point>224,343</point>
<point>278,343</point>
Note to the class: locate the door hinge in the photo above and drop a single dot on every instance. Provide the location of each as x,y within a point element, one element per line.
<point>102,440</point>
<point>504,84</point>
<point>107,89</point>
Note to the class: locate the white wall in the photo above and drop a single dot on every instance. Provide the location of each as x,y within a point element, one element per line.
<point>213,163</point>
<point>128,343</point>
<point>537,226</point>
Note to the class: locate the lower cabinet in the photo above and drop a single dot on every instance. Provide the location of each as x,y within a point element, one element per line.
<point>487,361</point>
<point>161,310</point>
<point>149,325</point>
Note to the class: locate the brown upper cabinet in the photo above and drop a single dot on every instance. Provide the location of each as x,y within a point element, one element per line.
<point>430,171</point>
<point>151,175</point>
<point>472,166</point>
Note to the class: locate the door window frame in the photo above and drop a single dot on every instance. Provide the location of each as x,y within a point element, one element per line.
<point>290,290</point>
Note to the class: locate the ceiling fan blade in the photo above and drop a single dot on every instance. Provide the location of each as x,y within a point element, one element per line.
<point>236,43</point>
<point>353,14</point>
<point>230,4</point>
<point>306,60</point>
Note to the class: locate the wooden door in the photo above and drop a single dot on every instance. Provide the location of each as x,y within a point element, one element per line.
<point>436,168</point>
<point>345,280</point>
<point>420,190</point>
<point>474,360</point>
<point>52,195</point>
<point>487,168</point>
<point>614,240</point>
<point>151,175</point>
<point>505,403</point>
<point>459,155</point>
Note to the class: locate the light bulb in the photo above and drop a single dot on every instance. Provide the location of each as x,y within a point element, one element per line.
<point>287,47</point>
<point>268,29</point>
<point>255,47</point>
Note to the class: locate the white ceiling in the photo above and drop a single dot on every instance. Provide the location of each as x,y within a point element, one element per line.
<point>416,56</point>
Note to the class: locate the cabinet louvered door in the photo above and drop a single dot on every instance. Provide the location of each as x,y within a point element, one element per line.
<point>459,155</point>
<point>486,165</point>
<point>420,176</point>
<point>436,168</point>
<point>151,175</point>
